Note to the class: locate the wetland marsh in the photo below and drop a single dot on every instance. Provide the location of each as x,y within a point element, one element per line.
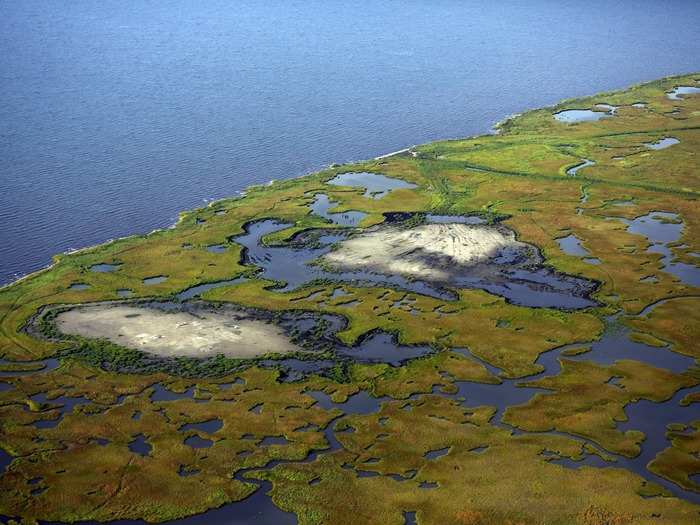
<point>378,342</point>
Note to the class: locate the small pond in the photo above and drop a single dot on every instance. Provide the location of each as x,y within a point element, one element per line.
<point>104,267</point>
<point>157,279</point>
<point>571,245</point>
<point>662,229</point>
<point>678,92</point>
<point>322,204</point>
<point>572,116</point>
<point>375,184</point>
<point>663,143</point>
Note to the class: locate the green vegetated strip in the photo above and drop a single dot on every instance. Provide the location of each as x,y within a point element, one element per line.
<point>575,180</point>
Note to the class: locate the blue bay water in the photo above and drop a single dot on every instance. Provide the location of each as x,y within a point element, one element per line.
<point>116,115</point>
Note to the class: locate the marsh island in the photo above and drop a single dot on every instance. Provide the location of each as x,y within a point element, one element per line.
<point>496,329</point>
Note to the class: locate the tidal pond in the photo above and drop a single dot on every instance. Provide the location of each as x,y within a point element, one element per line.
<point>156,279</point>
<point>104,267</point>
<point>210,426</point>
<point>571,245</point>
<point>196,291</point>
<point>663,143</point>
<point>24,368</point>
<point>572,116</point>
<point>662,229</point>
<point>322,204</point>
<point>140,445</point>
<point>680,91</point>
<point>376,185</point>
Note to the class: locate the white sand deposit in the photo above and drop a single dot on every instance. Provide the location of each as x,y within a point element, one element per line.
<point>429,251</point>
<point>177,333</point>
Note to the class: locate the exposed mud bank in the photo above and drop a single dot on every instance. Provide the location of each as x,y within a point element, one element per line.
<point>179,333</point>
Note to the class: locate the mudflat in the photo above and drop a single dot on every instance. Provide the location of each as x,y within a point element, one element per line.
<point>173,334</point>
<point>429,251</point>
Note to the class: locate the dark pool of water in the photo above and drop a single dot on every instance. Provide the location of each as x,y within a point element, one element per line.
<point>360,403</point>
<point>571,245</point>
<point>185,471</point>
<point>104,267</point>
<point>437,453</point>
<point>198,442</point>
<point>381,347</point>
<point>46,366</point>
<point>196,291</point>
<point>210,426</point>
<point>273,440</point>
<point>140,445</point>
<point>5,460</point>
<point>297,369</point>
<point>160,393</point>
<point>64,404</point>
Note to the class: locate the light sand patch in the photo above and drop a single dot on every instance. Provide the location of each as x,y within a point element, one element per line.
<point>430,251</point>
<point>172,334</point>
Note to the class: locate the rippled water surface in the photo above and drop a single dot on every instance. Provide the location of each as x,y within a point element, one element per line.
<point>114,116</point>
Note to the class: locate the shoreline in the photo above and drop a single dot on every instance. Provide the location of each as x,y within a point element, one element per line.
<point>496,129</point>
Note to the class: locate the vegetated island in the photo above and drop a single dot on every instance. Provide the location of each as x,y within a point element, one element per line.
<point>498,329</point>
